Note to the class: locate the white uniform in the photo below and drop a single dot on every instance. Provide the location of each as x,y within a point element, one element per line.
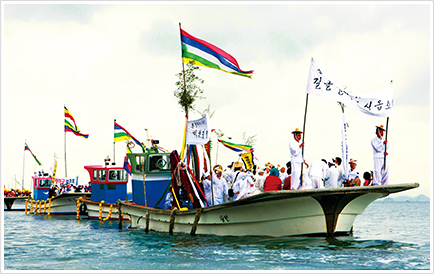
<point>331,178</point>
<point>220,188</point>
<point>317,172</point>
<point>381,176</point>
<point>353,174</point>
<point>207,189</point>
<point>296,161</point>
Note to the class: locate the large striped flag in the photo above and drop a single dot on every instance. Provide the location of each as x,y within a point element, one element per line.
<point>205,54</point>
<point>26,147</point>
<point>122,134</point>
<point>70,125</point>
<point>236,147</point>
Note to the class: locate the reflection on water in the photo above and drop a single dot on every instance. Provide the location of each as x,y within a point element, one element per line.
<point>383,239</point>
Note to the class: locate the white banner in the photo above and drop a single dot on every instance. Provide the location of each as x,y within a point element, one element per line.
<point>198,131</point>
<point>377,104</point>
<point>344,147</point>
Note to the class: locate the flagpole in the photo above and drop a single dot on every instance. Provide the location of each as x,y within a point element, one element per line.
<point>186,107</point>
<point>304,130</point>
<point>114,151</point>
<point>387,130</point>
<point>385,145</point>
<point>66,172</point>
<point>24,157</point>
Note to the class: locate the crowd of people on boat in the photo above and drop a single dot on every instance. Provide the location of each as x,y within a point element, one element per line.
<point>234,183</point>
<point>56,190</point>
<point>16,192</point>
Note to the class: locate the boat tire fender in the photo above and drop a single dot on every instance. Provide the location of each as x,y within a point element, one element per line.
<point>83,208</point>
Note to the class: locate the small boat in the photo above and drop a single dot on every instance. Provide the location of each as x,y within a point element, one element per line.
<point>314,212</point>
<point>108,185</point>
<point>308,212</point>
<point>62,204</point>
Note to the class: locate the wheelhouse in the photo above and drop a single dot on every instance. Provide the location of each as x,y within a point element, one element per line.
<point>41,186</point>
<point>108,184</point>
<point>151,177</point>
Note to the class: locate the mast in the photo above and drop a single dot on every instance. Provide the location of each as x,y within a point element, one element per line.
<point>24,157</point>
<point>114,151</point>
<point>64,142</point>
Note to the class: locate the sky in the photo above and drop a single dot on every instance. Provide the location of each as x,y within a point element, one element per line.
<point>117,60</point>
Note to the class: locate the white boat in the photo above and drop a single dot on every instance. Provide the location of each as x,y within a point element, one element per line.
<point>15,203</point>
<point>93,208</point>
<point>314,212</point>
<point>62,204</point>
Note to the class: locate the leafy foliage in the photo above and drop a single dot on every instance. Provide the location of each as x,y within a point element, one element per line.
<point>189,92</point>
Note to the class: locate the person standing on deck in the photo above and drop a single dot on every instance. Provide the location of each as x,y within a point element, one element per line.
<point>220,186</point>
<point>295,147</point>
<point>317,172</point>
<point>381,174</point>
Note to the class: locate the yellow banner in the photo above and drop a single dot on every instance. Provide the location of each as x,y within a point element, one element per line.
<point>247,159</point>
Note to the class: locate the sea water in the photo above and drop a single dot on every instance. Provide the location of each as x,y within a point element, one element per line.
<point>389,235</point>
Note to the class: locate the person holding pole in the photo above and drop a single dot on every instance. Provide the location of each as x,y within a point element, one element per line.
<point>379,146</point>
<point>295,147</point>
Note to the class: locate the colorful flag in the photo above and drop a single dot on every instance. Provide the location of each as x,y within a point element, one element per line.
<point>127,165</point>
<point>236,147</point>
<point>122,134</point>
<point>205,54</point>
<point>70,125</point>
<point>26,147</point>
<point>376,104</point>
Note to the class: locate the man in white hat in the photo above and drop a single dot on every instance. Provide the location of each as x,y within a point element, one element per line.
<point>220,186</point>
<point>381,175</point>
<point>295,147</point>
<point>353,175</point>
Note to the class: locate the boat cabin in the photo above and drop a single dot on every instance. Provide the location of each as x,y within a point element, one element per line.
<point>108,184</point>
<point>41,186</point>
<point>153,168</point>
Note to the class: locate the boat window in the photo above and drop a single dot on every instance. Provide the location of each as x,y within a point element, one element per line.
<point>159,163</point>
<point>102,173</point>
<point>117,175</point>
<point>140,163</point>
<point>95,174</point>
<point>111,187</point>
<point>44,182</point>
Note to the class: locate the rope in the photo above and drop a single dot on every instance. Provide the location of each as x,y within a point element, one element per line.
<point>109,214</point>
<point>100,210</point>
<point>49,206</point>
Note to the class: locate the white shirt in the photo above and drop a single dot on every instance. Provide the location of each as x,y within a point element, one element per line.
<point>331,178</point>
<point>296,153</point>
<point>378,147</point>
<point>353,174</point>
<point>318,169</point>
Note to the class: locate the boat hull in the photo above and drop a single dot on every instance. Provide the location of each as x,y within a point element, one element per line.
<point>15,203</point>
<point>92,208</point>
<point>63,204</point>
<point>318,212</point>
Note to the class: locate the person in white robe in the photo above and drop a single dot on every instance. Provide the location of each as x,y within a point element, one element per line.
<point>381,174</point>
<point>206,182</point>
<point>317,172</point>
<point>332,176</point>
<point>220,186</point>
<point>295,147</point>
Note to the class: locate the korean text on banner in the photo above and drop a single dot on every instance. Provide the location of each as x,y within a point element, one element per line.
<point>376,104</point>
<point>198,131</point>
